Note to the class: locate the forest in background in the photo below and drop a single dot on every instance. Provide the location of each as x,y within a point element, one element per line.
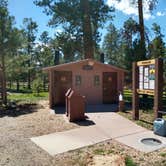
<point>23,55</point>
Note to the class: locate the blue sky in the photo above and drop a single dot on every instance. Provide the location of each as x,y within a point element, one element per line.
<point>25,8</point>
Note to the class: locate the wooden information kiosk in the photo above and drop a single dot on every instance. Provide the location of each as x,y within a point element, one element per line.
<point>147,78</point>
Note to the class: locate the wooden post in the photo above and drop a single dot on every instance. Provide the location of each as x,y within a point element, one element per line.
<point>158,87</point>
<point>135,96</point>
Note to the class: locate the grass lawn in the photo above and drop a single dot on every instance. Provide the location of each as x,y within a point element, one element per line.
<point>146,118</point>
<point>25,98</point>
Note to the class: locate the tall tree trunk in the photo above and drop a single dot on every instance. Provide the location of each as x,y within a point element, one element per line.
<point>56,57</point>
<point>87,29</point>
<point>142,55</point>
<point>10,84</point>
<point>29,76</point>
<point>4,90</point>
<point>44,82</point>
<point>142,31</point>
<point>18,85</point>
<point>29,65</point>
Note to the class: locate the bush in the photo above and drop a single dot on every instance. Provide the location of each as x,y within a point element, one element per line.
<point>37,86</point>
<point>129,161</point>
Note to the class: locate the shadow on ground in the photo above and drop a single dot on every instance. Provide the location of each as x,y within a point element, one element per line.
<point>85,122</point>
<point>147,122</point>
<point>18,110</point>
<point>91,108</point>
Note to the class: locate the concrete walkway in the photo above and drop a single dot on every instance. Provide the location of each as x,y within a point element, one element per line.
<point>105,126</point>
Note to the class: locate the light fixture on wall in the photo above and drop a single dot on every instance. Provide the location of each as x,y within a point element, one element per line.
<point>90,63</point>
<point>63,78</point>
<point>110,79</point>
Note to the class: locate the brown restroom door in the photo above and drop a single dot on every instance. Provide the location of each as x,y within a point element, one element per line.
<point>110,93</point>
<point>63,81</point>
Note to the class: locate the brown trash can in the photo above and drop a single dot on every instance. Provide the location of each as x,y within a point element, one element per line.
<point>67,95</point>
<point>76,106</point>
<point>121,103</point>
<point>121,106</point>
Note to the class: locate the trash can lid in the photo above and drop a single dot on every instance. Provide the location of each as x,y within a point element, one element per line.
<point>159,119</point>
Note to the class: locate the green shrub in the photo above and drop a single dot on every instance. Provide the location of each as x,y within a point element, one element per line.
<point>37,86</point>
<point>163,154</point>
<point>99,152</point>
<point>129,161</point>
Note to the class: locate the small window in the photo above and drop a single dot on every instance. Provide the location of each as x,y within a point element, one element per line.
<point>96,80</point>
<point>78,80</point>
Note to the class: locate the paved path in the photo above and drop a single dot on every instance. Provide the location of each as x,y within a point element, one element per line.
<point>107,125</point>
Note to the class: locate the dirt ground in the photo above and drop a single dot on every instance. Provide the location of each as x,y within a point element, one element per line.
<point>16,148</point>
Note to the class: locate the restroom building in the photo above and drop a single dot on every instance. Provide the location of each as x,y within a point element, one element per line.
<point>100,83</point>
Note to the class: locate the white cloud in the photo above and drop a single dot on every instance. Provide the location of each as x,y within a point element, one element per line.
<point>127,8</point>
<point>58,30</point>
<point>160,14</point>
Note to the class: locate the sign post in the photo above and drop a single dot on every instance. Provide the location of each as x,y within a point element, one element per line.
<point>135,95</point>
<point>158,88</point>
<point>147,79</point>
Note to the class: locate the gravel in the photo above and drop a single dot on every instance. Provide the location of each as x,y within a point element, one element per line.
<point>16,148</point>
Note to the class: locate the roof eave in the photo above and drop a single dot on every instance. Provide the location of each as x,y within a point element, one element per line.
<point>47,69</point>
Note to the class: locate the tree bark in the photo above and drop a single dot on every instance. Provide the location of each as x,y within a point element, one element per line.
<point>10,84</point>
<point>4,90</point>
<point>87,30</point>
<point>56,57</point>
<point>44,83</point>
<point>142,31</point>
<point>29,65</point>
<point>29,76</point>
<point>18,85</point>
